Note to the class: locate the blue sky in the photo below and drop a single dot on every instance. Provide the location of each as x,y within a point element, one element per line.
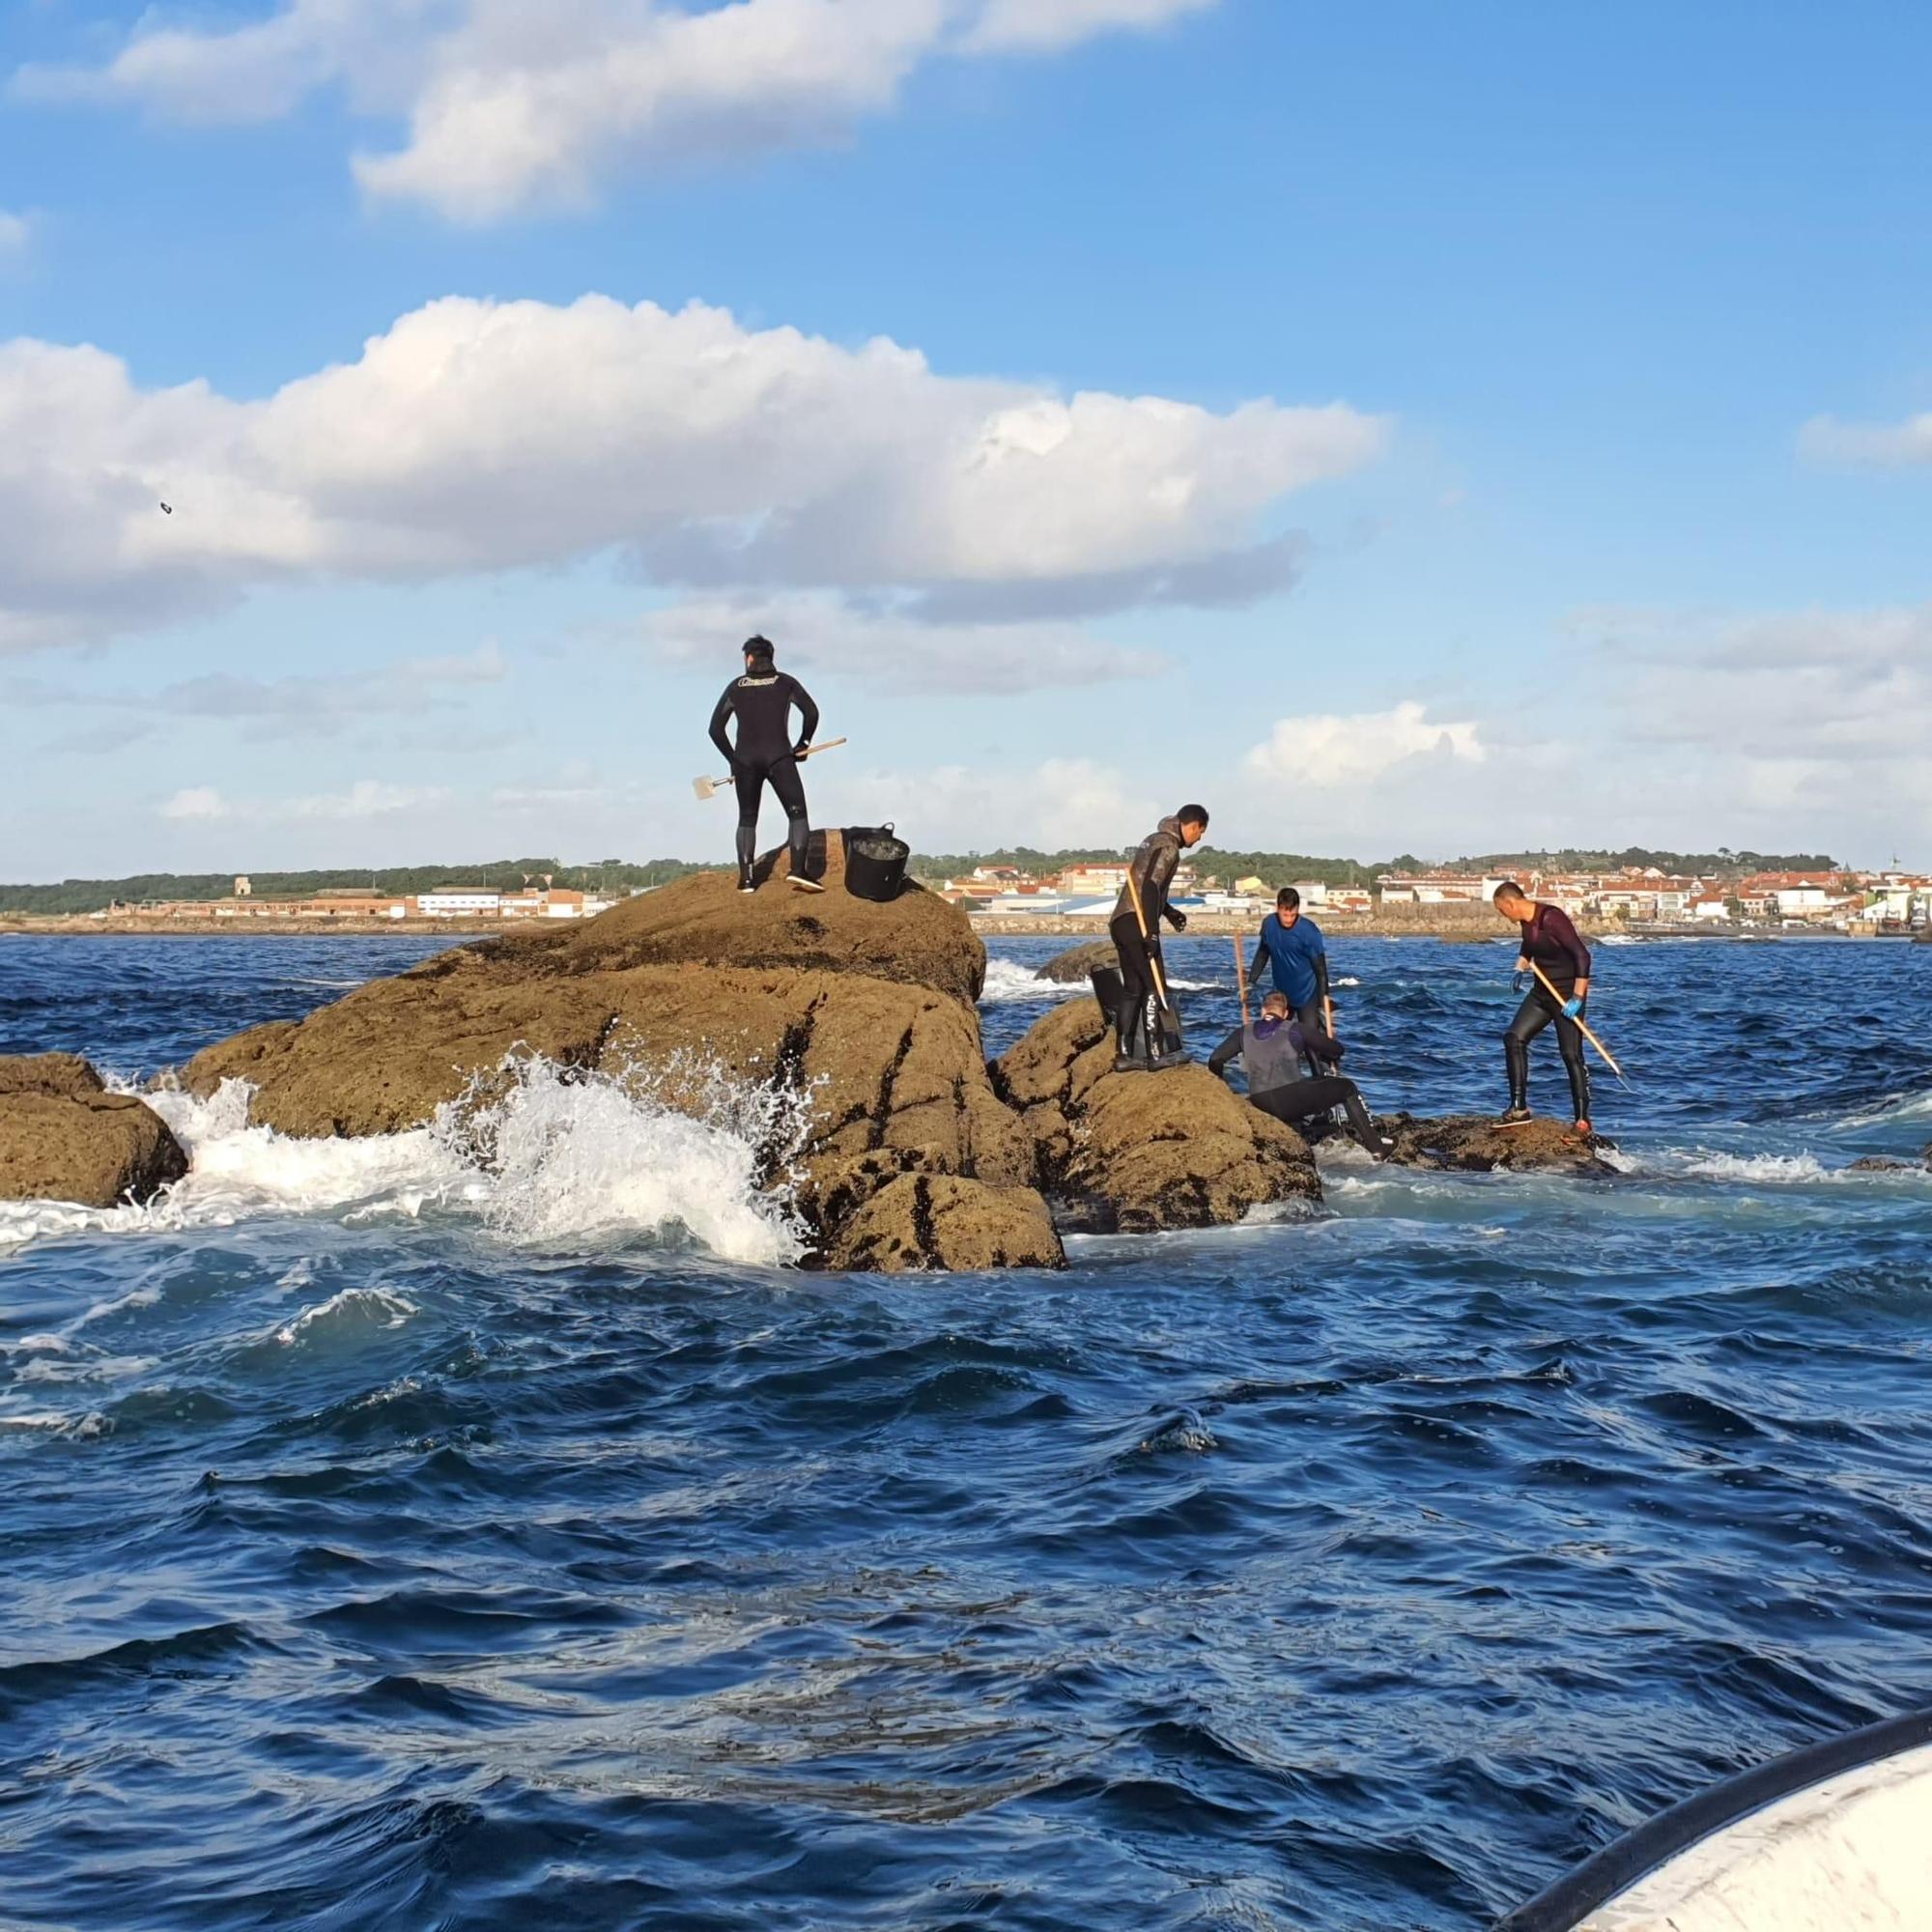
<point>1499,425</point>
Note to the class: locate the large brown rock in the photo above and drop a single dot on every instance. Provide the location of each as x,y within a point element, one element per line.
<point>1143,1152</point>
<point>917,939</point>
<point>888,1064</point>
<point>63,1137</point>
<point>1473,1143</point>
<point>932,1221</point>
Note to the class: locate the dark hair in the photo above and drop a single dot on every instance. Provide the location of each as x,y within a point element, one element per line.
<point>1192,815</point>
<point>1508,890</point>
<point>757,647</point>
<point>1288,897</point>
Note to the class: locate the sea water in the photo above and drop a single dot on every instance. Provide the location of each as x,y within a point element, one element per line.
<point>394,1536</point>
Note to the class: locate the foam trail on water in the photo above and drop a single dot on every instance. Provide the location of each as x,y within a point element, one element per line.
<point>1900,1107</point>
<point>550,1155</point>
<point>1007,981</point>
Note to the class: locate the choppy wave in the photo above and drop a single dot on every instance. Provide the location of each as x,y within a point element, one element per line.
<point>554,1156</point>
<point>1900,1107</point>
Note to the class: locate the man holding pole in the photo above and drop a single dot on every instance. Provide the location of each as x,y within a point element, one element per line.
<point>1552,970</point>
<point>1150,1036</point>
<point>1292,946</point>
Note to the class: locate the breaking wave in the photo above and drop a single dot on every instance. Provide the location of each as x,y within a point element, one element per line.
<point>540,1155</point>
<point>1008,981</point>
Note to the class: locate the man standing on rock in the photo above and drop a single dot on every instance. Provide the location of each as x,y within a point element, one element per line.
<point>1292,945</point>
<point>1550,941</point>
<point>761,701</point>
<point>1135,930</point>
<point>1271,1050</point>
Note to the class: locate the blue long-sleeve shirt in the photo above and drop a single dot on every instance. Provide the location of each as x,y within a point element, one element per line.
<point>1297,955</point>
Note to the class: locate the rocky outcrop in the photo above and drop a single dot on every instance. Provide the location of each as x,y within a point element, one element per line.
<point>64,1137</point>
<point>1072,967</point>
<point>1474,1144</point>
<point>940,1221</point>
<point>1137,1153</point>
<point>917,940</point>
<point>813,995</point>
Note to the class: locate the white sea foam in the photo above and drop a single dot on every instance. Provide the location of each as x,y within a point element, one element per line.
<point>551,1156</point>
<point>1768,1170</point>
<point>352,1309</point>
<point>1898,1107</point>
<point>1006,981</point>
<point>1345,980</point>
<point>568,1157</point>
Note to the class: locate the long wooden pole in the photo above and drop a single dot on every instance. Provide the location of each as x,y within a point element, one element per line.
<point>1241,979</point>
<point>1147,940</point>
<point>1582,1024</point>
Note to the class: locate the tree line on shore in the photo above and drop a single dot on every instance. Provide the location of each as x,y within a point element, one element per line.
<point>618,876</point>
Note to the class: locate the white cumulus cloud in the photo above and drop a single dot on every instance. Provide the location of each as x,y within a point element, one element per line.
<point>510,103</point>
<point>1876,446</point>
<point>479,436</point>
<point>16,231</point>
<point>1325,751</point>
<point>366,798</point>
<point>196,802</point>
<point>890,647</point>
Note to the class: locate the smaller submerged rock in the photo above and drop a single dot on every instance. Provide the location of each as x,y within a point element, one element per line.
<point>1474,1144</point>
<point>1074,966</point>
<point>64,1137</point>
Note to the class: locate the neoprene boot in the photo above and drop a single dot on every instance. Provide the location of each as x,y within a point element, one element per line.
<point>748,858</point>
<point>1130,1032</point>
<point>799,841</point>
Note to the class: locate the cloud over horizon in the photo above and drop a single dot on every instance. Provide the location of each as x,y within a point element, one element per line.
<point>476,436</point>
<point>1869,445</point>
<point>510,107</point>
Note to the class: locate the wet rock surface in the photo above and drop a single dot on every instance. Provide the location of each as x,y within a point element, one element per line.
<point>1474,1144</point>
<point>939,1221</point>
<point>1139,1152</point>
<point>64,1137</point>
<point>786,993</point>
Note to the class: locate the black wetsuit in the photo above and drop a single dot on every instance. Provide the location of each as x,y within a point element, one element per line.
<point>761,701</point>
<point>1551,942</point>
<point>1153,868</point>
<point>1294,1100</point>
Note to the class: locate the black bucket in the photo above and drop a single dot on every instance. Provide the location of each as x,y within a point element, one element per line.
<point>875,862</point>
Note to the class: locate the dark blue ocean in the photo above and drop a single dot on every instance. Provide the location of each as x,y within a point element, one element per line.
<point>388,1545</point>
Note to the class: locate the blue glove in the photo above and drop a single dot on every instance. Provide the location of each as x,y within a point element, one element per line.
<point>1572,1007</point>
<point>1518,983</point>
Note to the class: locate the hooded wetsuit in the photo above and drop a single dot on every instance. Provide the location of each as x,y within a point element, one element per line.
<point>761,701</point>
<point>1271,1053</point>
<point>1300,962</point>
<point>1549,941</point>
<point>1152,871</point>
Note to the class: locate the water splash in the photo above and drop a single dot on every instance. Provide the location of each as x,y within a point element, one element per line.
<point>542,1154</point>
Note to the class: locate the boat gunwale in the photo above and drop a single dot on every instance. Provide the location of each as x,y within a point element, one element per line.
<point>1646,1848</point>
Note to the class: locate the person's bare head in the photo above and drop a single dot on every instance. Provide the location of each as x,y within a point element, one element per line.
<point>1288,905</point>
<point>1193,823</point>
<point>1513,902</point>
<point>1274,1007</point>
